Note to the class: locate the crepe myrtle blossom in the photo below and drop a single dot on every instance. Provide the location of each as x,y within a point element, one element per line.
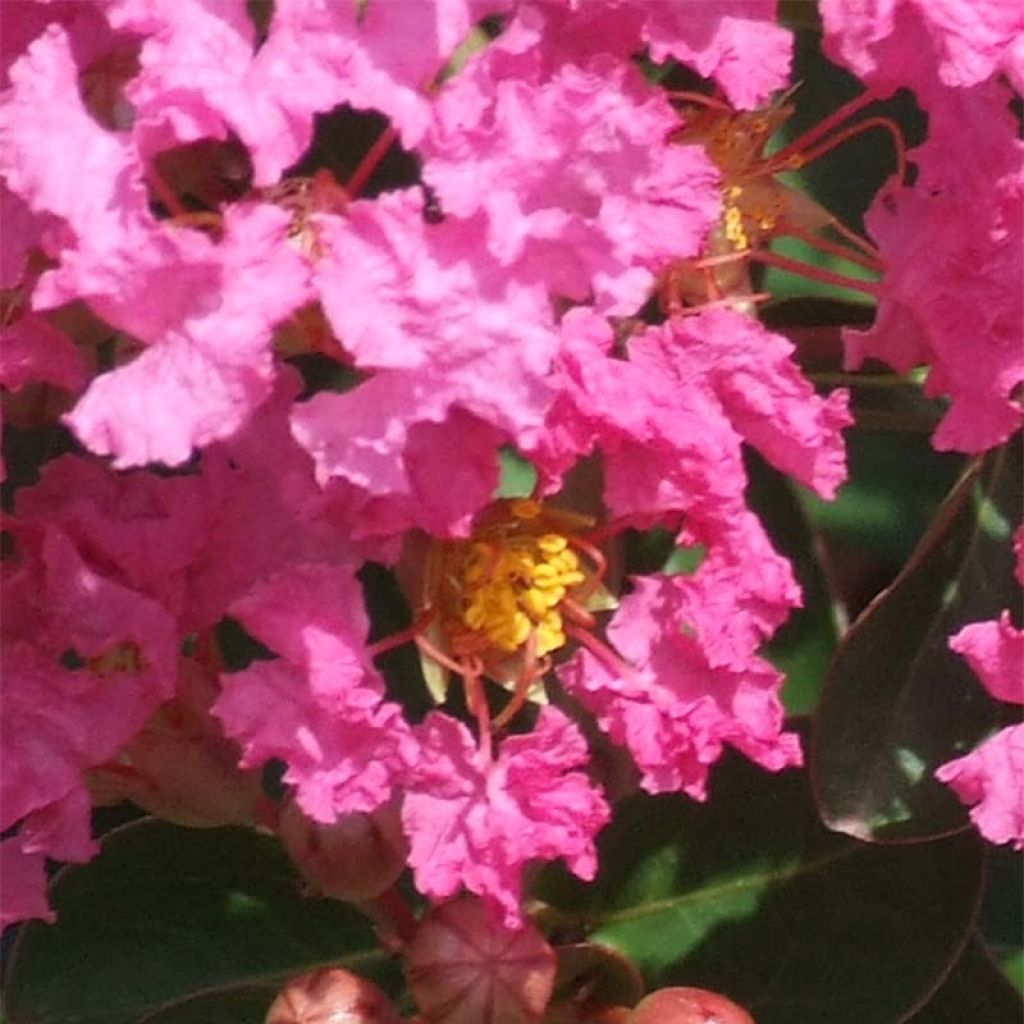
<point>198,307</point>
<point>455,338</point>
<point>112,573</point>
<point>86,662</point>
<point>952,302</point>
<point>991,778</point>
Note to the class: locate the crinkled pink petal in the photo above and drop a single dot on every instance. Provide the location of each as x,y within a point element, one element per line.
<point>995,652</point>
<point>573,170</point>
<point>194,543</point>
<point>201,379</point>
<point>736,43</point>
<point>342,757</point>
<point>42,119</point>
<point>22,885</point>
<point>141,530</point>
<point>203,74</point>
<point>991,780</point>
<point>319,707</point>
<point>680,692</point>
<point>953,245</point>
<point>1018,550</point>
<point>462,352</point>
<point>766,398</point>
<point>394,454</point>
<point>885,41</point>
<point>474,823</point>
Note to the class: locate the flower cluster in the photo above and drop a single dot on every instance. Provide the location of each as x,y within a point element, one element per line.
<point>176,262</point>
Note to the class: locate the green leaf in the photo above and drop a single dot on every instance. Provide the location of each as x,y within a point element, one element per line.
<point>898,702</point>
<point>176,925</point>
<point>749,895</point>
<point>518,477</point>
<point>974,993</point>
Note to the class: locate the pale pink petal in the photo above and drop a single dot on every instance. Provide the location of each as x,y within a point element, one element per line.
<point>573,171</point>
<point>318,708</point>
<point>991,780</point>
<point>886,41</point>
<point>211,364</point>
<point>736,43</point>
<point>995,652</point>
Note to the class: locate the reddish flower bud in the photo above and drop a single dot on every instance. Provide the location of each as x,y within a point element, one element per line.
<point>180,767</point>
<point>331,995</point>
<point>356,858</point>
<point>466,967</point>
<point>688,1006</point>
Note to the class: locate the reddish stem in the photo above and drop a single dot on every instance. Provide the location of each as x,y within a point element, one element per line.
<point>823,127</point>
<point>833,248</point>
<point>368,164</point>
<point>773,259</point>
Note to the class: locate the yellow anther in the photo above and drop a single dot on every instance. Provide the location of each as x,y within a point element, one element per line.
<point>734,230</point>
<point>552,543</point>
<point>507,584</point>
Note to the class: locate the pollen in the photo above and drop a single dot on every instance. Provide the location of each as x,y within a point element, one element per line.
<point>508,582</point>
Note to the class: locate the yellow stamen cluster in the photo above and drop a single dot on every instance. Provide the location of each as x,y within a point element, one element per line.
<point>510,580</point>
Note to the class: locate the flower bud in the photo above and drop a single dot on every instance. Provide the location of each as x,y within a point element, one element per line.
<point>466,967</point>
<point>180,767</point>
<point>688,1006</point>
<point>356,858</point>
<point>331,995</point>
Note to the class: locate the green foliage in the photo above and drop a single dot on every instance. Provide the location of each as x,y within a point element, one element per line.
<point>751,896</point>
<point>177,925</point>
<point>898,702</point>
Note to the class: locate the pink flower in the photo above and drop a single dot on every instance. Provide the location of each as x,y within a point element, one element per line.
<point>319,707</point>
<point>211,364</point>
<point>885,41</point>
<point>991,779</point>
<point>202,309</point>
<point>203,74</point>
<point>571,165</point>
<point>995,652</point>
<point>475,823</point>
<point>954,251</point>
<point>195,543</point>
<point>737,44</point>
<point>462,351</point>
<point>683,689</point>
<point>86,662</point>
<point>669,422</point>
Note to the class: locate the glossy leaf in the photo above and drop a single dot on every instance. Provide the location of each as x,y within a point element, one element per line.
<point>974,993</point>
<point>898,702</point>
<point>749,895</point>
<point>177,925</point>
